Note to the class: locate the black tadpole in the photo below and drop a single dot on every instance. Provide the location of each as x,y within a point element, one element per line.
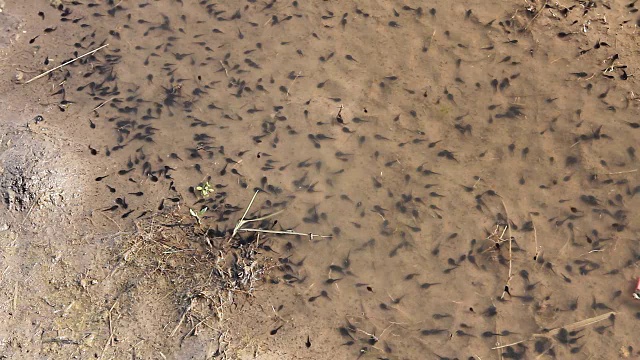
<point>275,331</point>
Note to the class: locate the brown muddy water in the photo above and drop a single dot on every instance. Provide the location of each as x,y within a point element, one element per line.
<point>474,161</point>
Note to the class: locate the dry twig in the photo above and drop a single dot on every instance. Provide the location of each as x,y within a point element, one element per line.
<point>110,339</point>
<point>571,327</point>
<point>536,15</point>
<point>67,63</point>
<point>242,222</point>
<point>508,227</point>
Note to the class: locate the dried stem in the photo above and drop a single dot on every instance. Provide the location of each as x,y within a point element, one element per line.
<point>621,172</point>
<point>293,81</point>
<point>183,317</point>
<point>103,104</point>
<point>110,339</point>
<point>66,63</point>
<point>535,238</point>
<point>571,327</point>
<point>242,222</point>
<point>287,232</point>
<point>508,226</point>
<point>536,15</point>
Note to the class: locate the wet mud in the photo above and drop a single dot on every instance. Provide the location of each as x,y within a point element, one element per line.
<point>466,172</point>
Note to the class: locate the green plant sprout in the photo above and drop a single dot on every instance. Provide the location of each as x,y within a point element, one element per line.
<point>198,214</point>
<point>205,189</point>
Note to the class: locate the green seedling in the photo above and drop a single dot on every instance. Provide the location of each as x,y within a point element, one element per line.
<point>198,214</point>
<point>205,189</point>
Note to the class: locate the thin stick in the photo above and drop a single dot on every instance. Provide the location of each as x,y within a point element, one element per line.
<point>113,221</point>
<point>621,172</point>
<point>293,81</point>
<point>194,330</point>
<point>535,238</point>
<point>250,203</point>
<point>263,217</point>
<point>182,318</point>
<point>506,286</point>
<point>102,104</point>
<point>507,345</point>
<point>15,298</point>
<point>224,68</point>
<point>286,232</point>
<point>498,343</point>
<point>240,223</point>
<point>579,324</point>
<point>31,208</point>
<point>431,39</point>
<point>536,15</point>
<point>544,352</point>
<point>110,339</point>
<point>570,327</point>
<point>67,63</point>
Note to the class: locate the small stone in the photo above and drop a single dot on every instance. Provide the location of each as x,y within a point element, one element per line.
<point>18,77</point>
<point>624,352</point>
<point>4,227</point>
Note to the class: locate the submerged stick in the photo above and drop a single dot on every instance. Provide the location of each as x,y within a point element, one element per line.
<point>286,232</point>
<point>242,222</point>
<point>262,217</point>
<point>536,15</point>
<point>66,63</point>
<point>621,172</point>
<point>510,276</point>
<point>293,81</point>
<point>507,345</point>
<point>579,324</point>
<point>102,104</point>
<point>571,327</point>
